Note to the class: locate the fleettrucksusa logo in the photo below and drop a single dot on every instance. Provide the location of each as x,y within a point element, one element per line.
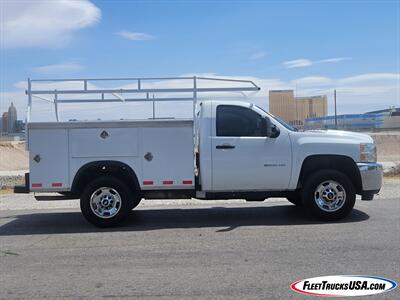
<point>343,285</point>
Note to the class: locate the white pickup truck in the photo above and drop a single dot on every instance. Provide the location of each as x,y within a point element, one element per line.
<point>228,150</point>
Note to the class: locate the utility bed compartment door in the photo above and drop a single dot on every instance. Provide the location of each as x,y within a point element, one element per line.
<point>104,142</point>
<point>48,159</point>
<point>168,158</point>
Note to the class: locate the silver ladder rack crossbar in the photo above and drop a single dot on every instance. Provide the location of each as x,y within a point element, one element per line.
<point>110,91</point>
<point>106,100</point>
<point>118,92</point>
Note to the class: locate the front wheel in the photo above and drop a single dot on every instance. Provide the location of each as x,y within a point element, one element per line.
<point>329,195</point>
<point>106,201</point>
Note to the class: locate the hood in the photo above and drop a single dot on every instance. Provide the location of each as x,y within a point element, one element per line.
<point>355,136</point>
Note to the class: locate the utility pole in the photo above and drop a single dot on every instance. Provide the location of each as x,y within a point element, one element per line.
<point>334,97</point>
<point>295,107</point>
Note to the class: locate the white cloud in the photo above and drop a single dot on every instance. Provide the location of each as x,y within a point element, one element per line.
<point>135,36</point>
<point>297,63</point>
<point>44,23</point>
<point>382,77</point>
<point>332,60</point>
<point>371,84</point>
<point>258,55</point>
<point>355,94</point>
<point>304,62</point>
<point>59,69</point>
<point>359,86</point>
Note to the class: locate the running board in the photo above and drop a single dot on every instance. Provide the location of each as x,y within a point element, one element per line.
<point>55,197</point>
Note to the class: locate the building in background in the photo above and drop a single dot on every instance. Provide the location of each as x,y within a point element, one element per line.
<point>9,122</point>
<point>310,107</point>
<point>295,110</point>
<point>382,119</point>
<point>12,119</point>
<point>11,129</point>
<point>4,122</point>
<point>281,104</point>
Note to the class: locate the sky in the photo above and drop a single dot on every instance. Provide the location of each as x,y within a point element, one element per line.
<point>312,47</point>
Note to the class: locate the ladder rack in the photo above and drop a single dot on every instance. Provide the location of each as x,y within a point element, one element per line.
<point>85,91</point>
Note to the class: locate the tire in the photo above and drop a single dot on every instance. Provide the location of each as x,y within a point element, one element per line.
<point>106,201</point>
<point>328,195</point>
<point>295,199</point>
<point>135,200</point>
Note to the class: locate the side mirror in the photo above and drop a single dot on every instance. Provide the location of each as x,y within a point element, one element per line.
<point>271,130</point>
<point>274,131</point>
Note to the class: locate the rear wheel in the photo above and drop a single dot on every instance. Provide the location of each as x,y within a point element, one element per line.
<point>106,201</point>
<point>329,195</point>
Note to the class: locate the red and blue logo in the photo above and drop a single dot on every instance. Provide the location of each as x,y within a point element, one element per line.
<point>343,286</point>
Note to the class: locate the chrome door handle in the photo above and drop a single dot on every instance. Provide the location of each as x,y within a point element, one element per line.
<point>225,147</point>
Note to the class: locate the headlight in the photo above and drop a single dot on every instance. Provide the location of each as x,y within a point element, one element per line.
<point>368,152</point>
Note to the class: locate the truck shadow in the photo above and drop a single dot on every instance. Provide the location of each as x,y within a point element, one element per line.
<point>228,218</point>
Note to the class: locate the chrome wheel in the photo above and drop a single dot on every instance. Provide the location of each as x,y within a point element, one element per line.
<point>330,196</point>
<point>105,202</point>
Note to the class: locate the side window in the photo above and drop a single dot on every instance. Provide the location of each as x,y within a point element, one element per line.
<point>238,121</point>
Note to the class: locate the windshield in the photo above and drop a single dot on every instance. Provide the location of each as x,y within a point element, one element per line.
<point>284,124</point>
<point>279,120</point>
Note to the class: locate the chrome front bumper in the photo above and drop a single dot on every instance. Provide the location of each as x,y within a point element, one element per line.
<point>371,177</point>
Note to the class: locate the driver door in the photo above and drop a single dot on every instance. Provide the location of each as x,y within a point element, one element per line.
<point>243,157</point>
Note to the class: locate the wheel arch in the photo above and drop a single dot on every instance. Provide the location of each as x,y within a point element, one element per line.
<point>94,169</point>
<point>342,163</point>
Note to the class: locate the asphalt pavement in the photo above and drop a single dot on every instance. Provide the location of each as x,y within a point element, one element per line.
<point>192,249</point>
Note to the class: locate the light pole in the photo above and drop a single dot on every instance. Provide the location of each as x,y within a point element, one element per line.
<point>334,97</point>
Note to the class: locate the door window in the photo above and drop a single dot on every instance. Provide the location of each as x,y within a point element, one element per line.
<point>238,121</point>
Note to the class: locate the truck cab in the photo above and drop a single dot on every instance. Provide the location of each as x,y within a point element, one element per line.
<point>251,150</point>
<point>229,150</point>
<point>248,149</point>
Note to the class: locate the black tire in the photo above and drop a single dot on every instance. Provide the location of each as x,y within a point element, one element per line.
<point>295,199</point>
<point>125,201</point>
<point>135,200</point>
<point>309,190</point>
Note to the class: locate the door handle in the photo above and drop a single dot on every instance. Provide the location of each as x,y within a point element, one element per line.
<point>225,147</point>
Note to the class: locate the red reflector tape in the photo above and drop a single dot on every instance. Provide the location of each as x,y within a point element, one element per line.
<point>36,185</point>
<point>187,182</point>
<point>168,182</point>
<point>56,184</point>
<point>147,182</point>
